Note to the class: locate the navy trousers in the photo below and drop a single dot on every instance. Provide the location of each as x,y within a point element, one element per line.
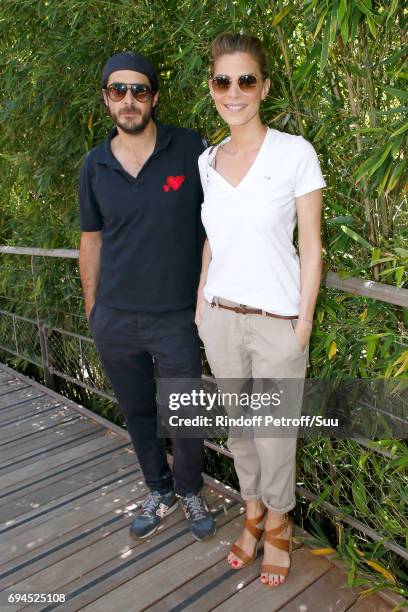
<point>127,343</point>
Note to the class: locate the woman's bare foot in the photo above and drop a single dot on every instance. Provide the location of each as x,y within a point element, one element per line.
<point>246,540</point>
<point>272,554</point>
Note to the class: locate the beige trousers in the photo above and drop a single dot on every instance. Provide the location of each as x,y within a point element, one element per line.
<point>256,346</point>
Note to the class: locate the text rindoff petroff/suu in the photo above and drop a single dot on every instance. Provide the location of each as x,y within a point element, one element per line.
<point>253,421</point>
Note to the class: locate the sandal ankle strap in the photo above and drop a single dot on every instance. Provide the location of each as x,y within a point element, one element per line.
<point>281,543</point>
<point>279,528</point>
<point>251,525</point>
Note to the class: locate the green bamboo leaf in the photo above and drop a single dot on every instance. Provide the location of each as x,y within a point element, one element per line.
<point>401,462</point>
<point>372,163</point>
<point>363,8</point>
<point>371,348</point>
<point>344,29</point>
<point>342,10</point>
<point>279,16</point>
<point>401,251</point>
<point>372,26</point>
<point>371,130</point>
<point>320,23</point>
<point>354,23</point>
<point>395,176</point>
<point>359,496</point>
<point>399,273</point>
<point>385,174</point>
<point>393,8</point>
<point>356,237</point>
<point>402,129</point>
<point>325,46</point>
<point>381,260</point>
<point>397,93</point>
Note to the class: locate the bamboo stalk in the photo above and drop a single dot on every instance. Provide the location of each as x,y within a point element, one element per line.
<point>356,112</point>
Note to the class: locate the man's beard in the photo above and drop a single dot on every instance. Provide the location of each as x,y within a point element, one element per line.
<point>134,125</point>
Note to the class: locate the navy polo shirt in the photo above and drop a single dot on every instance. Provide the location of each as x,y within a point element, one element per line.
<point>152,235</point>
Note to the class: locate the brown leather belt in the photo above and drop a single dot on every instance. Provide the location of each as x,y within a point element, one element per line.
<point>242,309</point>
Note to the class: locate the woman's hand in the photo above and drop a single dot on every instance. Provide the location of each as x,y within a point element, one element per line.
<point>303,330</point>
<point>201,304</point>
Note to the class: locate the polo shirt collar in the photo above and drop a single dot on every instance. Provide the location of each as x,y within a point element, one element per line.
<point>105,156</point>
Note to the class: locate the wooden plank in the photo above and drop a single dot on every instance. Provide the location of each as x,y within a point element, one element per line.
<point>305,569</point>
<point>103,464</point>
<point>16,395</point>
<point>80,409</point>
<point>28,458</point>
<point>14,431</point>
<point>395,601</point>
<point>67,543</point>
<point>370,603</point>
<point>331,591</point>
<point>115,547</point>
<point>22,402</point>
<point>16,414</point>
<point>9,383</point>
<point>17,475</point>
<point>212,587</point>
<point>186,563</point>
<point>12,389</point>
<point>67,431</point>
<point>111,494</point>
<point>35,433</point>
<point>53,475</point>
<point>6,376</point>
<point>160,551</point>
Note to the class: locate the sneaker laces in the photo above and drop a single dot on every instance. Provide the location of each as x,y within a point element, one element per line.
<point>150,503</point>
<point>195,506</point>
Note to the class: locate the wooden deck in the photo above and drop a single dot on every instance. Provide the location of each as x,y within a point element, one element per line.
<point>69,487</point>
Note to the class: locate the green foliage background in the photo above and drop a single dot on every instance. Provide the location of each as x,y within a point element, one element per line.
<point>338,71</point>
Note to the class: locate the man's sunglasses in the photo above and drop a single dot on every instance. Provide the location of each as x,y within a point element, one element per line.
<point>140,91</point>
<point>246,82</point>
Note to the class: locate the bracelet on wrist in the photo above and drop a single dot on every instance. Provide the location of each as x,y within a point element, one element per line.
<point>307,320</point>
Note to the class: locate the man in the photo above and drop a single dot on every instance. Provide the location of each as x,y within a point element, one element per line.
<point>139,198</point>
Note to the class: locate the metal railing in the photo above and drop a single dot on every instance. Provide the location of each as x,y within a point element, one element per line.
<point>36,340</point>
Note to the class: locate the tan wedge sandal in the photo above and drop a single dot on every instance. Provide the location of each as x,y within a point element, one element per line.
<point>251,526</point>
<point>281,543</point>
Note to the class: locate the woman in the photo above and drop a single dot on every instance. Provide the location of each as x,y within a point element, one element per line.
<point>256,300</point>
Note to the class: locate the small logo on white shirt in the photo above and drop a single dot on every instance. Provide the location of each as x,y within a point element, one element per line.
<point>267,178</point>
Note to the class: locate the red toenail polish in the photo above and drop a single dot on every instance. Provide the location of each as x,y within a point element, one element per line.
<point>235,563</point>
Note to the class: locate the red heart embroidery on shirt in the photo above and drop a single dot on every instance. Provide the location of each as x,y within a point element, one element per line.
<point>175,182</point>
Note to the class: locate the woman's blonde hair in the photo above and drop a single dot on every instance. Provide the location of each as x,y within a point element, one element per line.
<point>229,42</point>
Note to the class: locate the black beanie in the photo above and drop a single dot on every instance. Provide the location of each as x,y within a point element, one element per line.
<point>130,61</point>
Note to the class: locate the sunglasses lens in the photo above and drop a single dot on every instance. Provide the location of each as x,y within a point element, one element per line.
<point>221,82</point>
<point>141,93</point>
<point>117,91</point>
<point>247,82</point>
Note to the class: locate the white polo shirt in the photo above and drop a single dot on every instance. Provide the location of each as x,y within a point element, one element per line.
<point>250,227</point>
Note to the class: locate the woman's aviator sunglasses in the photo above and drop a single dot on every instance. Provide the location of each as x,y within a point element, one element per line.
<point>222,82</point>
<point>140,91</point>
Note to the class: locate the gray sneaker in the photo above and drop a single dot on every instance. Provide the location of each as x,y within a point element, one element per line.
<point>201,521</point>
<point>154,508</point>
